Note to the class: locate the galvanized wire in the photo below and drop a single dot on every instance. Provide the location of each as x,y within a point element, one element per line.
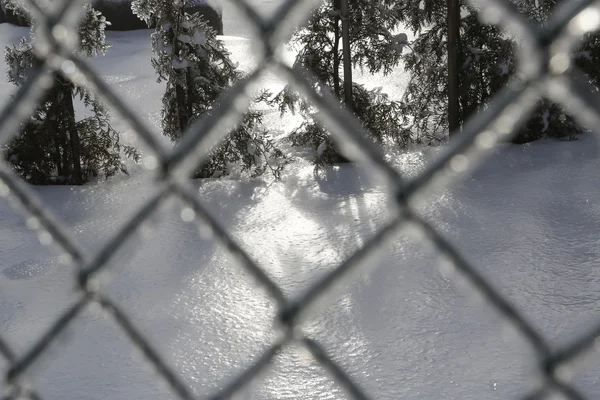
<point>478,138</point>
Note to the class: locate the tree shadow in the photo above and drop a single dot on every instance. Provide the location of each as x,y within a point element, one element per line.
<point>328,214</point>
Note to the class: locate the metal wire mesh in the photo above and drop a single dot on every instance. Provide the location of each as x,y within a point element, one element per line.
<point>544,73</point>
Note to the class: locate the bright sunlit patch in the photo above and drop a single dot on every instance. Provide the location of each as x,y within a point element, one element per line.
<point>564,373</point>
<point>150,162</point>
<point>287,55</point>
<point>145,230</point>
<point>66,259</point>
<point>446,266</point>
<point>485,140</point>
<point>459,163</point>
<point>187,214</point>
<point>491,14</point>
<point>560,63</point>
<point>68,67</point>
<point>228,320</point>
<point>4,190</point>
<point>45,238</point>
<point>587,21</point>
<point>32,223</point>
<point>60,32</point>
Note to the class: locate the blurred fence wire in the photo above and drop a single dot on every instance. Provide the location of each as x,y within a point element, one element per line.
<point>544,68</point>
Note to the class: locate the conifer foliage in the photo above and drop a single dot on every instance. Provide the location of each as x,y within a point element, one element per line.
<point>487,63</point>
<point>375,47</point>
<point>53,147</point>
<point>197,68</point>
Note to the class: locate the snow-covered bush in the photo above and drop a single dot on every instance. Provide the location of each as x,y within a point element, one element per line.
<point>53,147</point>
<point>197,68</point>
<point>374,47</point>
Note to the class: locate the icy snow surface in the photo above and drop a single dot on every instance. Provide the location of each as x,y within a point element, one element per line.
<point>528,218</point>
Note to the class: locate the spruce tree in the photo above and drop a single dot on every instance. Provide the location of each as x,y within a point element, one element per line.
<point>487,63</point>
<point>53,147</point>
<point>197,68</point>
<point>375,47</point>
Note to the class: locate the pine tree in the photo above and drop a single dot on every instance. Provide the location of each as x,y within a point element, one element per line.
<point>197,68</point>
<point>375,47</point>
<point>53,147</point>
<point>487,63</point>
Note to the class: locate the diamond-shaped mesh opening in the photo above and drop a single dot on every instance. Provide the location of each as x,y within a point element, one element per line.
<point>23,317</point>
<point>93,359</point>
<point>581,373</point>
<point>96,213</point>
<point>234,21</point>
<point>127,63</point>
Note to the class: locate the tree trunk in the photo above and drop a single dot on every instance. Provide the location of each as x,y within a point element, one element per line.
<point>58,142</point>
<point>338,6</point>
<point>453,66</point>
<point>66,88</point>
<point>181,109</point>
<point>347,55</point>
<point>65,153</point>
<point>175,14</point>
<point>336,58</point>
<point>53,116</point>
<point>191,99</point>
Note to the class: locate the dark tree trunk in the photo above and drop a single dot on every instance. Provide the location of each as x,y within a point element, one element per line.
<point>66,88</point>
<point>57,157</point>
<point>453,66</point>
<point>336,58</point>
<point>58,143</point>
<point>347,55</point>
<point>54,132</point>
<point>182,108</point>
<point>65,152</point>
<point>58,121</point>
<point>190,94</point>
<point>337,5</point>
<point>180,92</point>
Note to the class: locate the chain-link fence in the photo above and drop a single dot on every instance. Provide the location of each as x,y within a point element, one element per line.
<point>545,71</point>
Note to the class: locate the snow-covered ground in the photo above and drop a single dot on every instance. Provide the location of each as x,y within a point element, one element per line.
<point>528,218</point>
